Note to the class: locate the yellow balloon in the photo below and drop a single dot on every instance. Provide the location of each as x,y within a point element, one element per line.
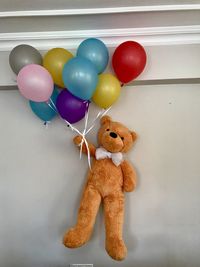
<point>107,91</point>
<point>54,61</point>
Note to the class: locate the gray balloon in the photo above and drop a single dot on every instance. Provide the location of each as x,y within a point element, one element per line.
<point>23,55</point>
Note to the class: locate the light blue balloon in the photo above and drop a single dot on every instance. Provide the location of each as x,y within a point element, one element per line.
<point>96,51</point>
<point>43,110</point>
<point>80,77</point>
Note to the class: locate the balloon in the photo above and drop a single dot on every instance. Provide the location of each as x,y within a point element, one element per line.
<point>129,60</point>
<point>23,55</point>
<point>43,110</point>
<point>70,107</point>
<point>107,91</point>
<point>96,51</point>
<point>54,62</point>
<point>80,77</point>
<point>35,83</point>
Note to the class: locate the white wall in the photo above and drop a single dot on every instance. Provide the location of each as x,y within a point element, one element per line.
<point>41,178</point>
<point>164,62</point>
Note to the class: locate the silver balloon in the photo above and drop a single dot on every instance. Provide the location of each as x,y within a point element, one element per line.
<point>23,55</point>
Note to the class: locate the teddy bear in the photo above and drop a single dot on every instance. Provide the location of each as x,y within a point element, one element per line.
<point>110,176</point>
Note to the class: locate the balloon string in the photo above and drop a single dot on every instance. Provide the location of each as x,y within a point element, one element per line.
<point>85,129</point>
<point>53,105</point>
<point>100,114</point>
<point>83,137</point>
<point>94,121</point>
<point>75,129</point>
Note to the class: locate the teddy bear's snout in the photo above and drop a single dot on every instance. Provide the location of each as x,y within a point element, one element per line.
<point>113,135</point>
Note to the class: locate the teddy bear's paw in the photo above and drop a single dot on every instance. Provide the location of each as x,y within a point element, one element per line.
<point>129,185</point>
<point>77,140</point>
<point>75,238</point>
<point>116,248</point>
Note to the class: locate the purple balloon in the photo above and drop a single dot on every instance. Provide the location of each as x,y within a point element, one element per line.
<point>70,107</point>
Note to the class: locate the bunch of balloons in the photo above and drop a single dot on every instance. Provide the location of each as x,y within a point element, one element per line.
<point>66,84</point>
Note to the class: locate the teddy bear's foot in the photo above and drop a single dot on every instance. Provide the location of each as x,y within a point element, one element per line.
<point>116,248</point>
<point>75,238</point>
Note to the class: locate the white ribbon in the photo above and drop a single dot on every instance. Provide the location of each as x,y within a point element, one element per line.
<point>102,153</point>
<point>85,130</point>
<point>100,114</point>
<point>73,129</point>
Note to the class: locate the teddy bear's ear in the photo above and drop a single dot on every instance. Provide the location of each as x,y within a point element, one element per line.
<point>134,136</point>
<point>105,119</point>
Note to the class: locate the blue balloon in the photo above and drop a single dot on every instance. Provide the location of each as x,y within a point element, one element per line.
<point>96,51</point>
<point>43,110</point>
<point>80,77</point>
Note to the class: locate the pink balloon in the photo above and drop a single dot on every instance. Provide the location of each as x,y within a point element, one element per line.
<point>35,83</point>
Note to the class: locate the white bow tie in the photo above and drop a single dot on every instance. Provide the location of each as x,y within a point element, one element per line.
<point>102,153</point>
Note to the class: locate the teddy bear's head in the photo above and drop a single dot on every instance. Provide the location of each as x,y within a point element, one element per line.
<point>114,136</point>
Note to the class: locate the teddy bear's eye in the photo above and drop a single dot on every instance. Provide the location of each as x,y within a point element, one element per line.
<point>122,138</point>
<point>108,130</point>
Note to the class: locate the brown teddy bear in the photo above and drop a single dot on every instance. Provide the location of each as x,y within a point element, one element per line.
<point>110,176</point>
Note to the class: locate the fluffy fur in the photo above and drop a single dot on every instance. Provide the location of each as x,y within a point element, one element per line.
<point>106,183</point>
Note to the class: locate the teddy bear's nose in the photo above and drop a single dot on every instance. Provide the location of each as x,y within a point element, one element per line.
<point>113,135</point>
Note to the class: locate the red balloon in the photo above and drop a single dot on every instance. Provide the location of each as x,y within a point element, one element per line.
<point>129,60</point>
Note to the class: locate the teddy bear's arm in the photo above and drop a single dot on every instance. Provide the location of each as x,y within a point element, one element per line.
<point>129,176</point>
<point>77,141</point>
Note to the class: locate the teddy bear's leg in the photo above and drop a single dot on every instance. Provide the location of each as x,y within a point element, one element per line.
<point>80,234</point>
<point>114,217</point>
